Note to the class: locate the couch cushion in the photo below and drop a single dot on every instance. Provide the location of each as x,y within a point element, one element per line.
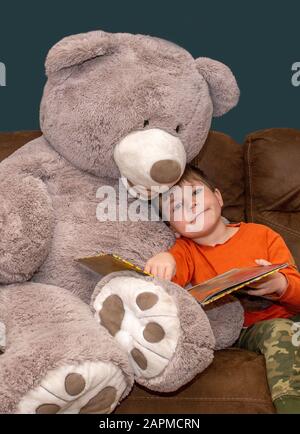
<point>272,162</point>
<point>221,159</point>
<point>234,383</point>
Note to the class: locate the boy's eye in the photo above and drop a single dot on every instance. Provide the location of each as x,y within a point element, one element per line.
<point>198,190</point>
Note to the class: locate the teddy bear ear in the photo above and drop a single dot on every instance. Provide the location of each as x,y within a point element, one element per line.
<point>77,49</point>
<point>222,84</point>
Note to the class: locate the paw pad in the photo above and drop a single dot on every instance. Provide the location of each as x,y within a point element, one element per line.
<point>101,403</point>
<point>74,384</point>
<point>112,314</point>
<point>47,409</point>
<point>139,358</point>
<point>153,332</point>
<point>146,300</point>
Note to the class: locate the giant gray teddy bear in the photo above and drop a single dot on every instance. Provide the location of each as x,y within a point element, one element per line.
<point>115,105</point>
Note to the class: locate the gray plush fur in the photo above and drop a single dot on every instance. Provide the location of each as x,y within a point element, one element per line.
<point>226,317</point>
<point>100,88</point>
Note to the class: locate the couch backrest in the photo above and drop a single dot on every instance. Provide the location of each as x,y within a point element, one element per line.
<point>221,159</point>
<point>272,182</point>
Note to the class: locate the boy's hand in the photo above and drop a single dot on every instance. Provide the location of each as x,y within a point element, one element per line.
<point>162,265</point>
<point>270,286</point>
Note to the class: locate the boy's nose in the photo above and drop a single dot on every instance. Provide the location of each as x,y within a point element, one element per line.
<point>194,203</point>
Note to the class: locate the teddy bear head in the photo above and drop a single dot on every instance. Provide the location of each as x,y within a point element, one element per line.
<point>129,105</point>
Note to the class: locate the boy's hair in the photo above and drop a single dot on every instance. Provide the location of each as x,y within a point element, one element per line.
<point>191,173</point>
<point>194,173</point>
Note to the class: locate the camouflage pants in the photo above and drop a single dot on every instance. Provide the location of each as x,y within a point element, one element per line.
<point>279,341</point>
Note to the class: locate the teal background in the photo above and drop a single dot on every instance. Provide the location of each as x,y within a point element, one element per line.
<point>259,40</point>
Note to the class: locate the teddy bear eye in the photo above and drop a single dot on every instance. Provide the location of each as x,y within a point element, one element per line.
<point>178,128</point>
<point>146,123</point>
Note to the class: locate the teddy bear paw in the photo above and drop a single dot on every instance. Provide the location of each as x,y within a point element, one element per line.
<point>143,318</point>
<point>91,387</point>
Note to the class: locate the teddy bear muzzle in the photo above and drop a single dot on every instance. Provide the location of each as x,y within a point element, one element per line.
<point>150,158</point>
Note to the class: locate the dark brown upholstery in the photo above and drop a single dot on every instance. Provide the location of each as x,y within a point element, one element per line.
<point>260,182</point>
<point>10,142</point>
<point>234,383</point>
<point>272,165</point>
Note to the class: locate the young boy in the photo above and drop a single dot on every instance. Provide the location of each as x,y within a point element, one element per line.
<point>206,246</point>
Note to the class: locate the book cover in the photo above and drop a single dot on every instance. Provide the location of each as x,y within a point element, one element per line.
<point>230,281</point>
<point>105,263</point>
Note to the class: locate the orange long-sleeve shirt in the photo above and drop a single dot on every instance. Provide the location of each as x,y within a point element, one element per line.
<point>197,263</point>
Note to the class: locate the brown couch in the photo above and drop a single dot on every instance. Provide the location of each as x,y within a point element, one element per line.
<point>260,182</point>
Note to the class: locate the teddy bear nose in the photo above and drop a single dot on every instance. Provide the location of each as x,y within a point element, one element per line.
<point>165,171</point>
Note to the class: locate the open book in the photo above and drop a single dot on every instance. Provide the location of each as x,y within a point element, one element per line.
<point>232,280</point>
<point>205,292</point>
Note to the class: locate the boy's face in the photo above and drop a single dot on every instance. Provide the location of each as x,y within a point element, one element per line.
<point>193,208</point>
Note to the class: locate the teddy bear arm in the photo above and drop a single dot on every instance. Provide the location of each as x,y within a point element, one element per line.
<point>26,226</point>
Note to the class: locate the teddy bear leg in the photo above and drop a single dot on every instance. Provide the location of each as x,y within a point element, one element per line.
<point>226,317</point>
<point>164,331</point>
<point>57,359</point>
